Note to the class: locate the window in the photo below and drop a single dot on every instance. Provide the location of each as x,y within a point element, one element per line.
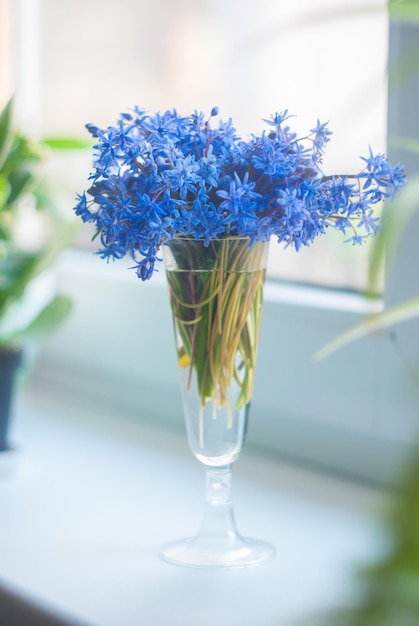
<point>95,59</point>
<point>355,412</point>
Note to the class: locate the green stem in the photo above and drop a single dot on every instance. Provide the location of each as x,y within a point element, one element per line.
<point>216,311</point>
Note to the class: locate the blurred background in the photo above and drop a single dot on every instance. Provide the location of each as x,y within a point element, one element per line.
<point>77,62</point>
<point>355,415</point>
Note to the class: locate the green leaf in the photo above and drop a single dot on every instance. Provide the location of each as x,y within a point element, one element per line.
<point>19,180</point>
<point>396,220</point>
<point>66,143</point>
<point>23,154</point>
<point>50,317</point>
<point>4,191</point>
<point>6,132</point>
<point>17,268</point>
<point>406,143</point>
<point>404,10</point>
<point>403,68</point>
<point>395,315</point>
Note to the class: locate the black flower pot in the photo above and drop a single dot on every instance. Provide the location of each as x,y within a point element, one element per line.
<point>10,360</point>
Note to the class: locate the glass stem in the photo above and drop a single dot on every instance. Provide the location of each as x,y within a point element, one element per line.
<point>218,518</point>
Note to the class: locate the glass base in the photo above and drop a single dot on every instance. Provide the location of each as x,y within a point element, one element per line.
<point>209,552</point>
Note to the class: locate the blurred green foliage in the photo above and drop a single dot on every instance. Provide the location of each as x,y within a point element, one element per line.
<point>20,158</point>
<point>391,586</point>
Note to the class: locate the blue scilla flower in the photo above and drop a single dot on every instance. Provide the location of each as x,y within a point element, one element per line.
<point>182,176</point>
<point>321,136</point>
<point>163,175</point>
<point>270,158</point>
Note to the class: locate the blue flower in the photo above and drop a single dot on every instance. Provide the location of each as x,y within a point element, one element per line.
<point>321,135</point>
<point>369,222</point>
<point>162,176</point>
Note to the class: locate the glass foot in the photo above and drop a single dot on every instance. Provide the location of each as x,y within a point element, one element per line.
<point>210,552</point>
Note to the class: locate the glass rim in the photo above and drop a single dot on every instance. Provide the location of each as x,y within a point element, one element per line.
<point>202,240</point>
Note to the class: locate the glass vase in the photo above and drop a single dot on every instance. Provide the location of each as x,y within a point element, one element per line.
<point>216,300</point>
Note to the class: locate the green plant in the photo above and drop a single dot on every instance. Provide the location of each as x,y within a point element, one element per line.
<point>390,585</point>
<point>22,262</point>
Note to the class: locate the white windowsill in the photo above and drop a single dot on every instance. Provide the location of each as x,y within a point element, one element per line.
<point>92,492</point>
<point>81,261</point>
<point>318,298</point>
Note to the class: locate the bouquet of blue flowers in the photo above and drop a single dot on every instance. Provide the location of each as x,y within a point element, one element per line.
<point>165,178</point>
<point>162,176</point>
